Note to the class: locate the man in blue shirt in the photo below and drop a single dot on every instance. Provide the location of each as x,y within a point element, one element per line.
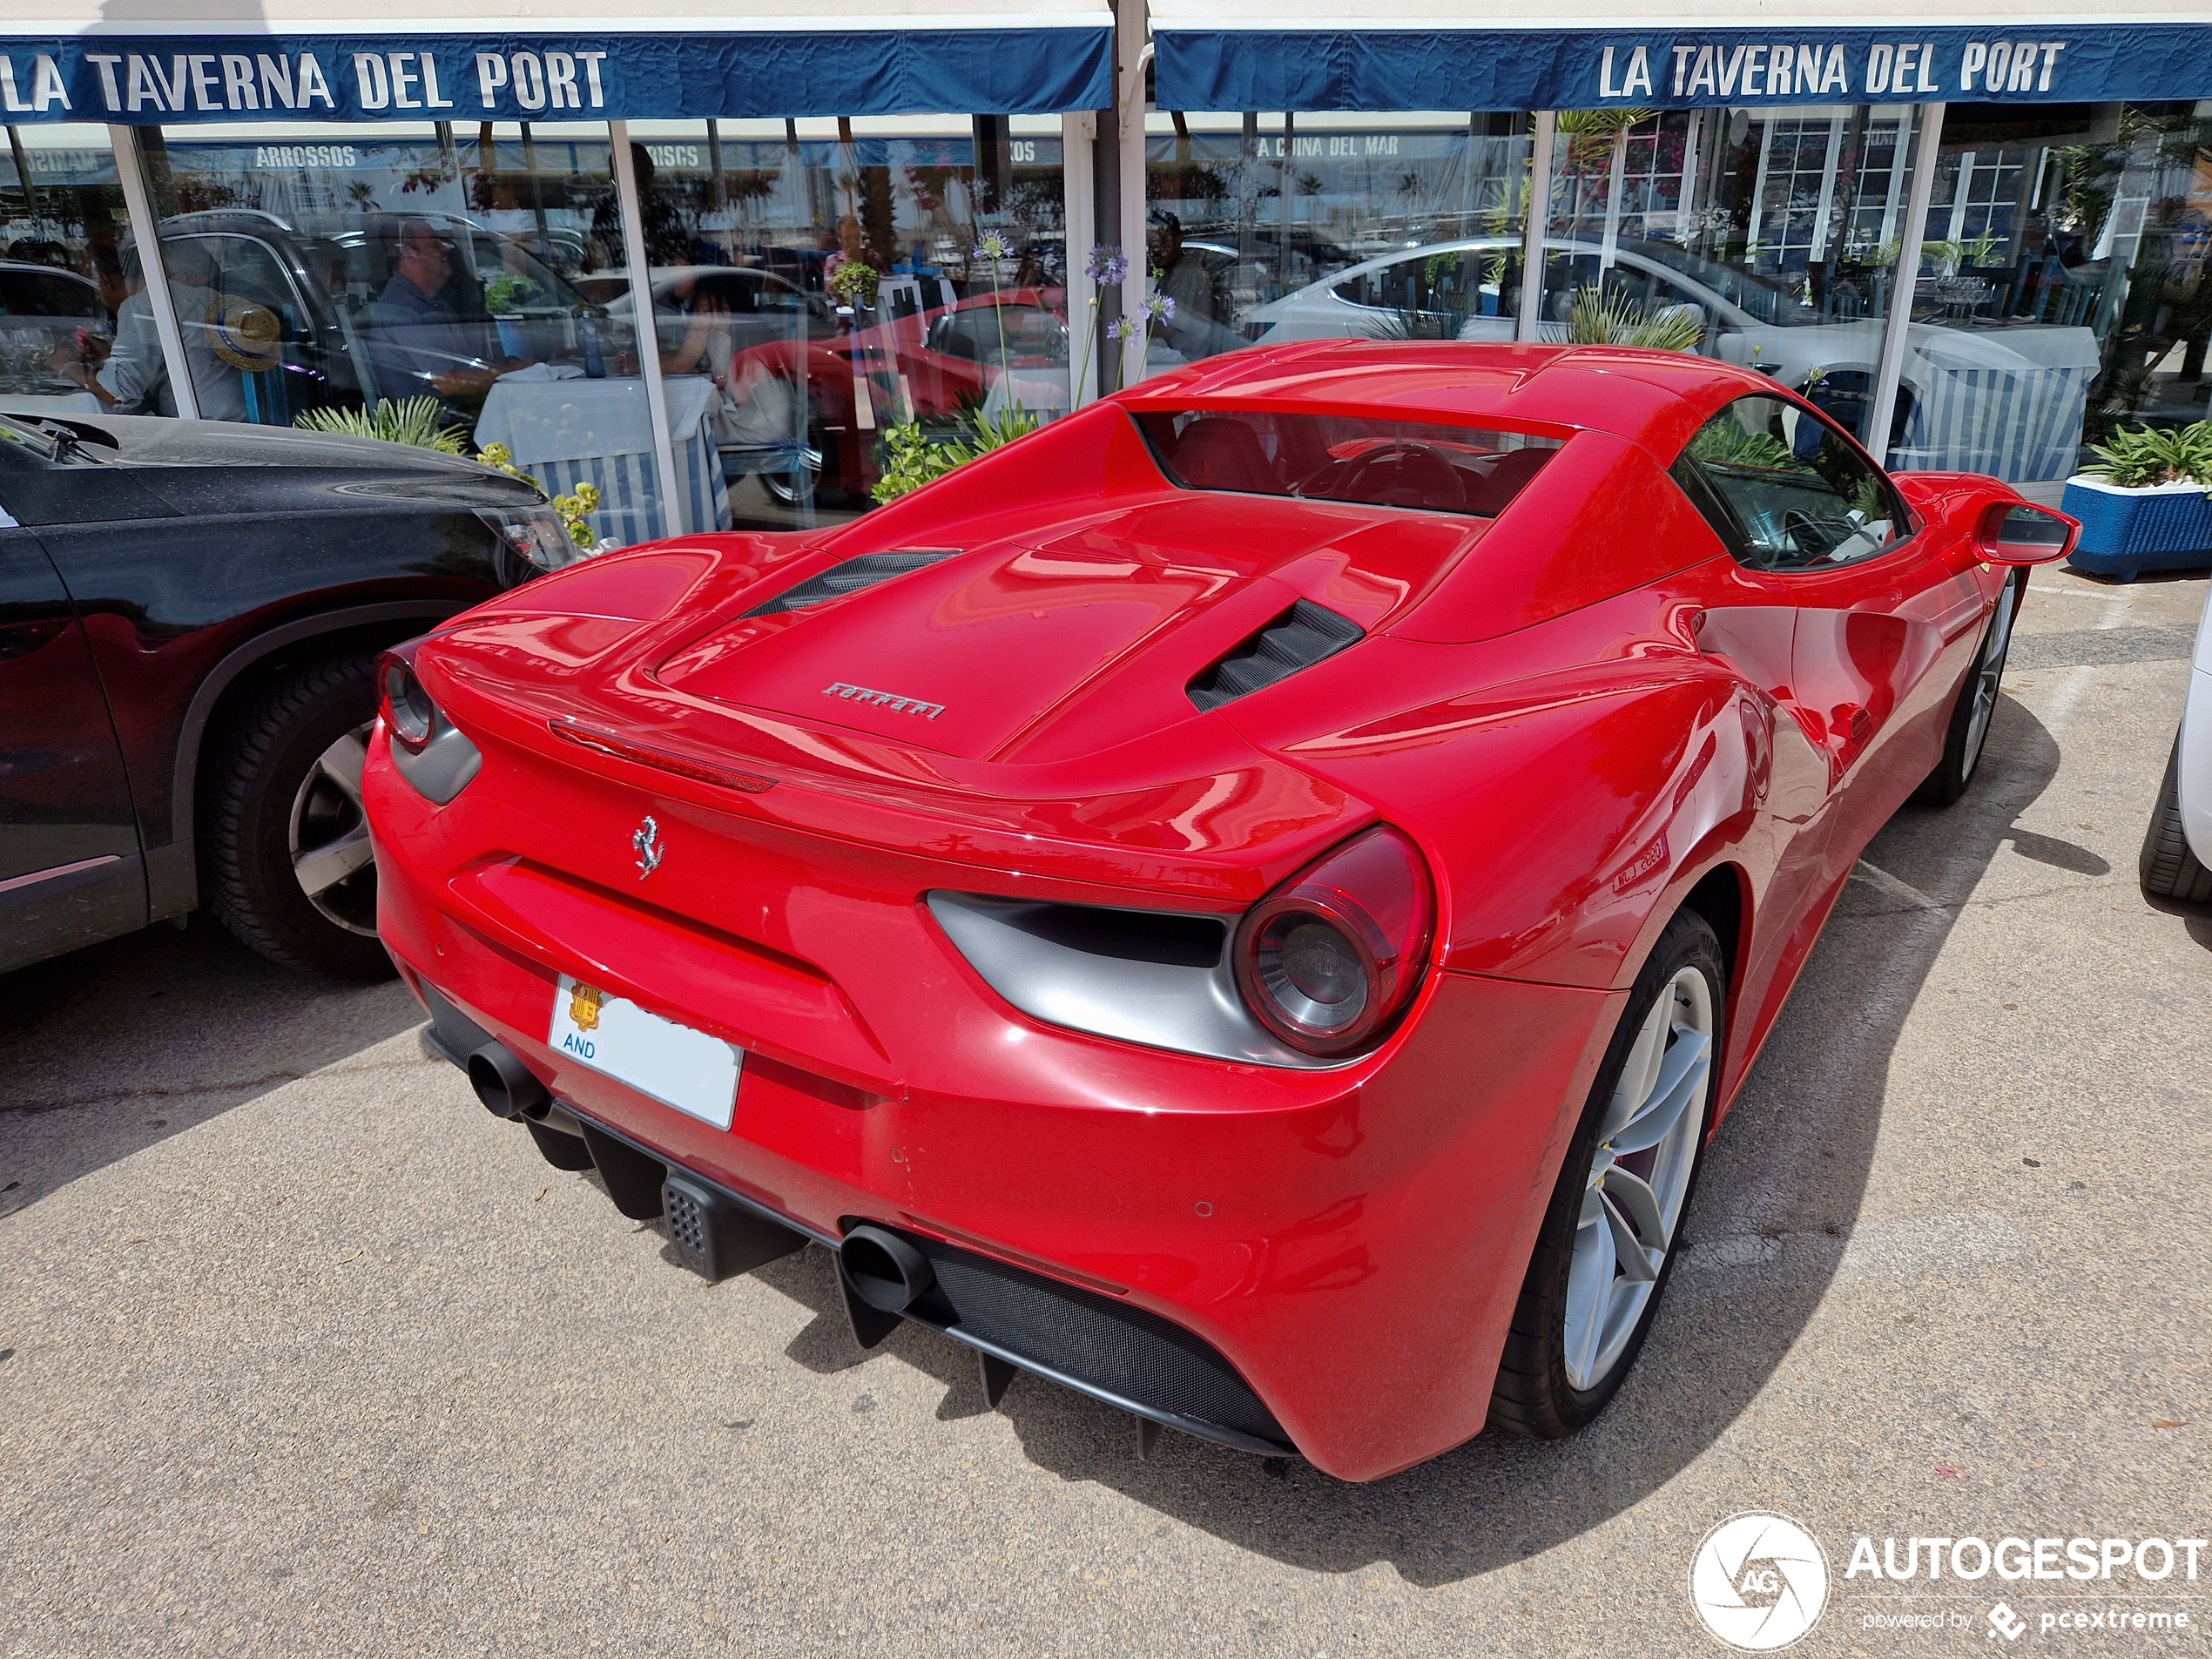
<point>420,341</point>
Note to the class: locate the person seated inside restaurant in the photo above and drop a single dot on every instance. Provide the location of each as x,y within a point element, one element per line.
<point>128,373</point>
<point>704,297</point>
<point>428,331</point>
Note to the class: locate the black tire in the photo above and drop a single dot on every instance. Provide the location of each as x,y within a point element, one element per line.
<point>2169,869</point>
<point>266,768</point>
<point>1966,737</point>
<point>1534,1395</point>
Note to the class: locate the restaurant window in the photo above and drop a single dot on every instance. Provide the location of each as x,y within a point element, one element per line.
<point>66,266</point>
<point>1768,238</point>
<point>950,234</point>
<point>1268,228</point>
<point>2063,288</point>
<point>345,272</point>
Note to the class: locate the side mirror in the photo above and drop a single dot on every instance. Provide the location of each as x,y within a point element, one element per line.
<point>2022,535</point>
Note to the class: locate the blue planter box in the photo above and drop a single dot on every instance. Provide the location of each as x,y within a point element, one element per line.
<point>2125,535</point>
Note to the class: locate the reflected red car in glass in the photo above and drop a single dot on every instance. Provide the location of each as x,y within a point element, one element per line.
<point>1248,903</point>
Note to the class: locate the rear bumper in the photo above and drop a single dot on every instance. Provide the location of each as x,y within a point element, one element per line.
<point>1348,1244</point>
<point>1011,1316</point>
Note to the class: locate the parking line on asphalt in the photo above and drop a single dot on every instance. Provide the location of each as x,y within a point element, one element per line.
<point>1883,882</point>
<point>1910,1247</point>
<point>2059,705</point>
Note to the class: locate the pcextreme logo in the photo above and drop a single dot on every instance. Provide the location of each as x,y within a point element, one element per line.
<point>1758,1582</point>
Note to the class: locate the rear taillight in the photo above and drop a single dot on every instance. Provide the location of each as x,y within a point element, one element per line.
<point>427,750</point>
<point>409,713</point>
<point>1328,959</point>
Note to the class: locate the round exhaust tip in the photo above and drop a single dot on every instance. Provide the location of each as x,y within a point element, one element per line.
<point>505,1085</point>
<point>883,1270</point>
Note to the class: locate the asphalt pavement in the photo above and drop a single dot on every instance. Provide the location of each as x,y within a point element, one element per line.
<point>301,1352</point>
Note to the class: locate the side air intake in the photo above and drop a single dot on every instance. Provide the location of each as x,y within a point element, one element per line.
<point>851,577</point>
<point>1298,639</point>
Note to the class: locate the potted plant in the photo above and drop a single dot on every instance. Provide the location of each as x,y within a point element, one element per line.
<point>2142,503</point>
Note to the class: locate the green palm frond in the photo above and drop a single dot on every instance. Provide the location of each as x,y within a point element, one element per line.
<point>1729,444</point>
<point>1605,316</point>
<point>419,422</point>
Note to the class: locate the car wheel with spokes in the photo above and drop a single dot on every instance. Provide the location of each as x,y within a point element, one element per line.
<point>1608,1242</point>
<point>290,869</point>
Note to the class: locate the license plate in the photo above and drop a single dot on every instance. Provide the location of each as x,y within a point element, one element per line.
<point>678,1067</point>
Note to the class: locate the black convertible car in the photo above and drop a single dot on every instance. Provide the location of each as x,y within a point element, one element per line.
<point>190,615</point>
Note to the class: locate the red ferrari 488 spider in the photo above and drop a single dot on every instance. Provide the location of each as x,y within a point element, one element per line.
<point>1249,903</point>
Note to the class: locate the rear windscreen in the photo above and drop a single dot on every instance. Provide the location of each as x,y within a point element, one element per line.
<point>1345,458</point>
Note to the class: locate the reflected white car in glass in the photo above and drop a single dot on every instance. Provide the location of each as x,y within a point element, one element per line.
<point>2005,398</point>
<point>2177,848</point>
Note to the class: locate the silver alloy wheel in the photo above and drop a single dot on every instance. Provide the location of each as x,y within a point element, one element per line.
<point>330,855</point>
<point>793,489</point>
<point>1988,672</point>
<point>1632,1196</point>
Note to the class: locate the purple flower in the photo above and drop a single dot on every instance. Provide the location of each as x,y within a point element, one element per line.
<point>1122,328</point>
<point>993,246</point>
<point>1160,308</point>
<point>1106,265</point>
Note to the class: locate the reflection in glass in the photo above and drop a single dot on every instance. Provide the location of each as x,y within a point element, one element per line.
<point>1764,237</point>
<point>2084,229</point>
<point>371,269</point>
<point>65,273</point>
<point>1785,491</point>
<point>952,306</point>
<point>1280,229</point>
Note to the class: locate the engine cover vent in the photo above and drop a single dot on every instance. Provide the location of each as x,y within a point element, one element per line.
<point>852,577</point>
<point>1301,636</point>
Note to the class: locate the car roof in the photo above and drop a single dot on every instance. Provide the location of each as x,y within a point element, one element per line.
<point>77,277</point>
<point>1657,399</point>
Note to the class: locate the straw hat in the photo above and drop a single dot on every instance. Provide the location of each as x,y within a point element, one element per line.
<point>247,336</point>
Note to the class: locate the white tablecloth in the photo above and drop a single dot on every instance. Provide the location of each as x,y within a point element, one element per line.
<point>49,403</point>
<point>601,432</point>
<point>1042,392</point>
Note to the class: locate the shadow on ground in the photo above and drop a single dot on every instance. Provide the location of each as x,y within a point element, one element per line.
<point>112,1049</point>
<point>1792,1158</point>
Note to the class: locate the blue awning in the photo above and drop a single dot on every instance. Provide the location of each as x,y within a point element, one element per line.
<point>1027,63</point>
<point>2012,58</point>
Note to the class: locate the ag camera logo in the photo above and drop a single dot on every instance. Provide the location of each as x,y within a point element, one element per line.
<point>1758,1582</point>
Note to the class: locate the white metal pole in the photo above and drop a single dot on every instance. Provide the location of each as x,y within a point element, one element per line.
<point>1132,51</point>
<point>1079,197</point>
<point>643,315</point>
<point>1894,340</point>
<point>1616,183</point>
<point>1538,210</point>
<point>146,226</point>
